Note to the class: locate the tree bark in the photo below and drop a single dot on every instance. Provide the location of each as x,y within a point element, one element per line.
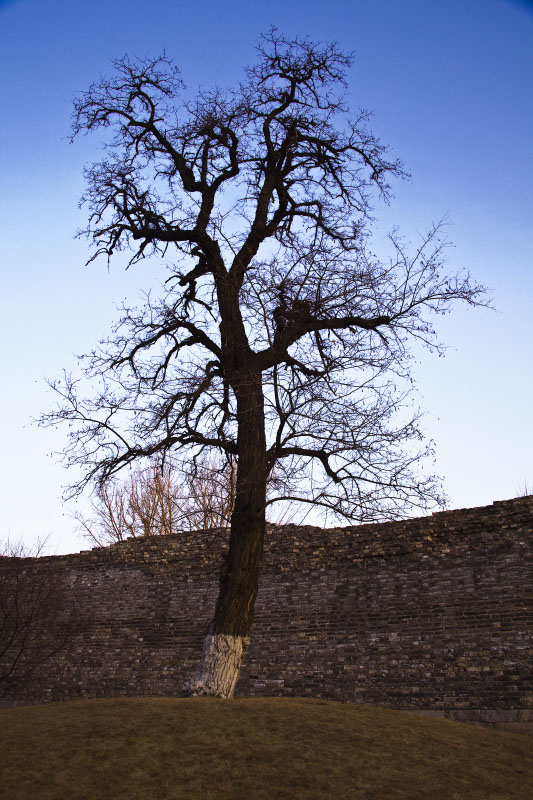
<point>228,636</point>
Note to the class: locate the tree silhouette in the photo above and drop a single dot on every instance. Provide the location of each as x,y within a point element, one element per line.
<point>280,340</point>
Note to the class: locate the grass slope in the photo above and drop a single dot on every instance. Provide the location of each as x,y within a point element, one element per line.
<point>158,748</point>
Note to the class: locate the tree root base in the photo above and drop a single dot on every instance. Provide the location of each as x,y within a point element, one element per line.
<point>220,667</point>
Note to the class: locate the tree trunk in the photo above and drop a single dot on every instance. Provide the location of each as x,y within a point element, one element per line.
<point>228,636</point>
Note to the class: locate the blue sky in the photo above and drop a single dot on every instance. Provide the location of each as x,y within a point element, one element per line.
<point>450,85</point>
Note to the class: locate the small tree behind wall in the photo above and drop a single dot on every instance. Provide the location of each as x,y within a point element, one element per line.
<point>155,501</point>
<point>161,501</point>
<point>280,341</point>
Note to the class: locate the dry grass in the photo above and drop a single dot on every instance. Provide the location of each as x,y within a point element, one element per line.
<point>158,748</point>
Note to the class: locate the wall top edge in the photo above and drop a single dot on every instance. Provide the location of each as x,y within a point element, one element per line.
<point>502,524</point>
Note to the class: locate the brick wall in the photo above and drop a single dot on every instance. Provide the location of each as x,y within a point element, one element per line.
<point>432,614</point>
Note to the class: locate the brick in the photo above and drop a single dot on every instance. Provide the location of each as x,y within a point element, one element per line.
<point>432,613</point>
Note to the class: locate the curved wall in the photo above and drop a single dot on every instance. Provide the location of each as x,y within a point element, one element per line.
<point>431,614</point>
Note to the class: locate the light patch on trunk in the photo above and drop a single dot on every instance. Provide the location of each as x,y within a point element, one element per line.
<point>221,664</point>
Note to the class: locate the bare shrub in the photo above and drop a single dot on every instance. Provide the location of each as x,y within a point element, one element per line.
<point>35,615</point>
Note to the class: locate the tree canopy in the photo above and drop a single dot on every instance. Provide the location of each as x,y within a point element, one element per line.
<point>259,199</point>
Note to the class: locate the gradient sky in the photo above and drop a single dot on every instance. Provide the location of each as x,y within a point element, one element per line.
<point>450,83</point>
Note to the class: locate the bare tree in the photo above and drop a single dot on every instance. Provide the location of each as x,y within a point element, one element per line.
<point>280,340</point>
<point>160,501</point>
<point>206,493</point>
<point>525,490</point>
<point>35,616</point>
<point>140,506</point>
<point>155,501</point>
